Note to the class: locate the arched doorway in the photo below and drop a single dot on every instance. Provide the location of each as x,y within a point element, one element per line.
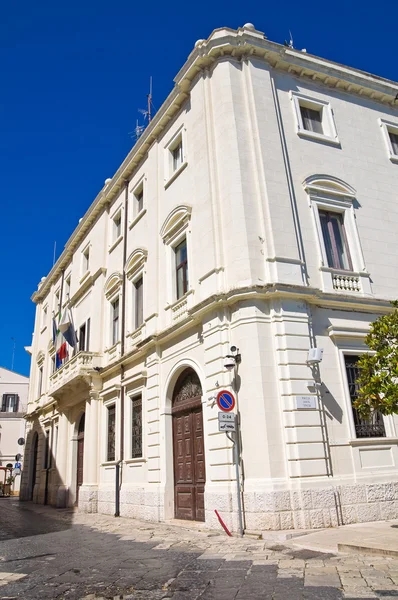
<point>80,455</point>
<point>188,445</point>
<point>33,455</point>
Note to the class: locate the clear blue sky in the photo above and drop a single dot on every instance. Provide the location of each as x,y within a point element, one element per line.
<point>73,75</point>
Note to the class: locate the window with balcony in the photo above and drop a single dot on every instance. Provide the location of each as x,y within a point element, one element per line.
<point>136,427</point>
<point>333,204</point>
<point>10,403</point>
<point>364,428</point>
<point>335,240</point>
<point>84,336</point>
<point>111,434</point>
<point>181,267</point>
<point>115,321</point>
<point>40,382</point>
<point>138,302</point>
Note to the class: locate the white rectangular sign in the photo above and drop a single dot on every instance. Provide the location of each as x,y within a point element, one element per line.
<point>226,426</point>
<point>226,417</point>
<point>305,401</point>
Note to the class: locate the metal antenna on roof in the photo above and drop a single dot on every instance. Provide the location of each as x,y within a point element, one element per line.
<point>13,354</point>
<point>290,43</point>
<point>147,114</point>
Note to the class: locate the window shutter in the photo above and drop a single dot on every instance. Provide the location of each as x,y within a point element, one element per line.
<point>16,403</point>
<point>88,335</point>
<point>4,403</point>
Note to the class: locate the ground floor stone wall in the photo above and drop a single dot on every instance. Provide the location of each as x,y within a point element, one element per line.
<point>282,510</point>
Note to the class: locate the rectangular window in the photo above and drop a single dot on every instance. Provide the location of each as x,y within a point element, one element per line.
<point>181,268</point>
<point>82,337</point>
<point>136,427</point>
<point>394,141</point>
<point>56,302</point>
<point>117,226</point>
<point>111,445</point>
<point>115,321</point>
<point>138,301</point>
<point>335,241</point>
<point>86,260</point>
<point>10,403</point>
<point>67,288</point>
<point>312,119</point>
<point>364,428</point>
<point>177,156</point>
<point>139,199</point>
<point>44,317</point>
<point>40,382</point>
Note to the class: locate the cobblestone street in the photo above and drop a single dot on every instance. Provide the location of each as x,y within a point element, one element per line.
<point>46,553</point>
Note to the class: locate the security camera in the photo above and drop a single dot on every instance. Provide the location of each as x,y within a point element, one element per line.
<point>234,349</point>
<point>314,356</point>
<point>229,362</point>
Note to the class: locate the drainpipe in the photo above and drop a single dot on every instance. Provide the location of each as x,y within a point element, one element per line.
<point>122,336</point>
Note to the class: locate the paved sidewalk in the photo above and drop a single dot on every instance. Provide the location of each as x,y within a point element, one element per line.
<point>377,538</point>
<point>93,557</point>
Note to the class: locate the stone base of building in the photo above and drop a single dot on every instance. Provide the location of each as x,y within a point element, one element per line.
<point>264,510</point>
<point>321,507</point>
<point>88,499</point>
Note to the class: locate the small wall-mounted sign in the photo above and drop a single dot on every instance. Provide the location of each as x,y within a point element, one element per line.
<point>305,402</point>
<point>226,421</point>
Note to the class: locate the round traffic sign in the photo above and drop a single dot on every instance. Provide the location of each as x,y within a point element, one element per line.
<point>225,401</point>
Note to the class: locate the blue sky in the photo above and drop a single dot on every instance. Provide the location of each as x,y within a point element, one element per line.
<point>73,75</point>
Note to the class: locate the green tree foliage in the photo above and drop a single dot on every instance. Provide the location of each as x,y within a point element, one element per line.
<point>378,379</point>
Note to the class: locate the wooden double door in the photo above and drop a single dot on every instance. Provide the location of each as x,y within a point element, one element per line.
<point>189,457</point>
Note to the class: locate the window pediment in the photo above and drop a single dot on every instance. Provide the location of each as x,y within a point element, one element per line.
<point>112,284</point>
<point>40,357</point>
<point>318,185</point>
<point>135,262</point>
<point>175,222</point>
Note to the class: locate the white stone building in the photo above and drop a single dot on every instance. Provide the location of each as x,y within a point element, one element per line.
<point>13,404</point>
<point>258,209</point>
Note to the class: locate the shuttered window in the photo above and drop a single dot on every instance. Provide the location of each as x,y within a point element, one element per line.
<point>10,403</point>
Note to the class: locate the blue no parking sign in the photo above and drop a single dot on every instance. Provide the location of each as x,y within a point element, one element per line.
<point>225,401</point>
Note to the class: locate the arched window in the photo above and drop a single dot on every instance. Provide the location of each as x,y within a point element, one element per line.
<point>112,293</point>
<point>174,233</point>
<point>342,263</point>
<point>135,267</point>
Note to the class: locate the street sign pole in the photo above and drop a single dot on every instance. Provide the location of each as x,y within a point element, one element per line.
<point>235,443</point>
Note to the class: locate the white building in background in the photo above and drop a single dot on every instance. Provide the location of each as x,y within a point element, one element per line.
<point>14,401</point>
<point>258,209</point>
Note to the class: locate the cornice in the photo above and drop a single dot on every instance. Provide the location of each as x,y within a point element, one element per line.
<point>241,44</point>
<point>312,296</point>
